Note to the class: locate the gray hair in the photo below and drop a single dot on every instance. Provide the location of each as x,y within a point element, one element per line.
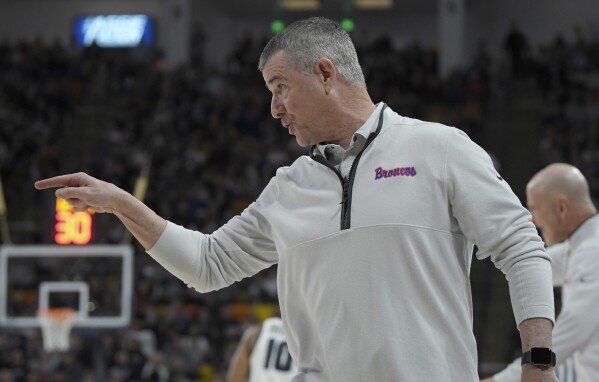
<point>307,41</point>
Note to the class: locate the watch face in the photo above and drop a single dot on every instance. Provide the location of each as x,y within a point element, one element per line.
<point>540,356</point>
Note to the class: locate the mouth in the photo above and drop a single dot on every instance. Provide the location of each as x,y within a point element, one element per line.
<point>289,127</point>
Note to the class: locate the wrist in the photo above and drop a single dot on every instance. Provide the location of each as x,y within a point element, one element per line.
<point>535,332</point>
<point>531,373</point>
<point>539,357</point>
<point>123,203</point>
<point>528,368</point>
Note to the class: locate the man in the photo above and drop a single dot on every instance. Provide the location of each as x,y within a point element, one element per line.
<point>561,206</point>
<point>373,232</point>
<point>262,355</point>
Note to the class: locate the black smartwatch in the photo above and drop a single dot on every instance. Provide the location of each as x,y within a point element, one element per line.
<point>542,358</point>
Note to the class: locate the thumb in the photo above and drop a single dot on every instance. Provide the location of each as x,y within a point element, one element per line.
<point>71,193</point>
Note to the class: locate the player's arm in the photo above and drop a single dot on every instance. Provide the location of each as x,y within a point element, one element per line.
<point>86,192</point>
<point>239,367</point>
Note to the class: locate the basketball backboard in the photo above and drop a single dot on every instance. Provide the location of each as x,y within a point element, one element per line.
<point>95,281</point>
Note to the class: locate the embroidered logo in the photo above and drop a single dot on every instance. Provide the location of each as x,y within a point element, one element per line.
<point>399,171</point>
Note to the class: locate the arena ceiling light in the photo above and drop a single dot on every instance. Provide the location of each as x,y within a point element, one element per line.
<point>300,5</point>
<point>373,4</point>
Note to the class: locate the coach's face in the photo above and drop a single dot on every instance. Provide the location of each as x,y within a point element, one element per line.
<point>545,215</point>
<point>299,100</point>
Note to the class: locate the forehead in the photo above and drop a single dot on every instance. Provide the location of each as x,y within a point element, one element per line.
<point>277,66</point>
<point>534,195</point>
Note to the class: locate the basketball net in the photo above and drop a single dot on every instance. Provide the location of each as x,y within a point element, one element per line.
<point>56,324</point>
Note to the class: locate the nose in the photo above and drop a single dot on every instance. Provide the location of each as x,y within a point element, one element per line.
<point>535,218</point>
<point>277,109</point>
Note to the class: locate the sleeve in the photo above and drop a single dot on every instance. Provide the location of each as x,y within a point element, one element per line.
<point>240,248</point>
<point>491,216</point>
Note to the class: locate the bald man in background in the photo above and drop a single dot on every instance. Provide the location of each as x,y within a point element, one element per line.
<point>558,198</point>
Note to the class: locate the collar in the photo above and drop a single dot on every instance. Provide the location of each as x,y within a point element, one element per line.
<point>581,232</point>
<point>362,133</point>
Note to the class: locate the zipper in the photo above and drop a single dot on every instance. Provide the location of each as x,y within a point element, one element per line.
<point>345,213</point>
<point>348,183</point>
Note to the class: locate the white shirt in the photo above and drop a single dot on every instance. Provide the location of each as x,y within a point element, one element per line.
<point>575,265</point>
<point>387,297</point>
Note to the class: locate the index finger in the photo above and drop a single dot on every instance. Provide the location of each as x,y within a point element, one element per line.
<point>69,180</point>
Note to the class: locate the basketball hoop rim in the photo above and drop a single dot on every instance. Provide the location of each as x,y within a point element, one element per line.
<point>61,315</point>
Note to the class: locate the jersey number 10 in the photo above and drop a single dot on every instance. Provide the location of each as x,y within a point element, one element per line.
<point>282,360</point>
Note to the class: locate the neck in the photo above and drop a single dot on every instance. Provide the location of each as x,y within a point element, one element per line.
<point>353,112</point>
<point>581,218</point>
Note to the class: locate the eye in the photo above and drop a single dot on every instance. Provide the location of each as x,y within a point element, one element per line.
<point>279,88</point>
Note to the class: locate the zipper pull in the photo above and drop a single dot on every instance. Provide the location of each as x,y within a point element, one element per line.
<point>344,196</point>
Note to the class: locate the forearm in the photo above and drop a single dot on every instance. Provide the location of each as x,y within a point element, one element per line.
<point>143,223</point>
<point>239,370</point>
<point>535,332</point>
<point>239,367</point>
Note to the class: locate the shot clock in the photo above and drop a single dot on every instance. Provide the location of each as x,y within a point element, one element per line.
<point>72,227</point>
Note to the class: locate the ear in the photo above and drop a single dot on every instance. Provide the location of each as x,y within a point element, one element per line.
<point>327,73</point>
<point>562,207</point>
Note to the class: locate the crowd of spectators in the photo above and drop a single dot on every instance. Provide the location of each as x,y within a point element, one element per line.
<point>211,146</point>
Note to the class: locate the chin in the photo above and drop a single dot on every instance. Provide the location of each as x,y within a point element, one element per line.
<point>302,143</point>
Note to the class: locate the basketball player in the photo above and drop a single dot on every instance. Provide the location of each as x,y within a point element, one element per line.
<point>262,355</point>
